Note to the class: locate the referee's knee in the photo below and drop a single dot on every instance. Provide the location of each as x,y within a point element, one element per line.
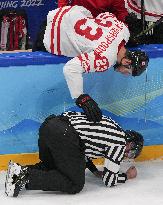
<point>77,188</point>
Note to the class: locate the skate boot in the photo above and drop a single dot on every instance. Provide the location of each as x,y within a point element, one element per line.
<point>16,178</point>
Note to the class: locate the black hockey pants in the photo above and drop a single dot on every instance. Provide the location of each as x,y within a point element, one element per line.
<point>62,166</point>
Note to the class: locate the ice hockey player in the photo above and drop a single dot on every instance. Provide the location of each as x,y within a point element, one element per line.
<point>95,44</point>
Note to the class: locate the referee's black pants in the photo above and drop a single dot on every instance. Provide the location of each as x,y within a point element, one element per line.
<point>62,166</point>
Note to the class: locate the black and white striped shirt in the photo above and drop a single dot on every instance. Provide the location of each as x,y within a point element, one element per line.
<point>103,139</point>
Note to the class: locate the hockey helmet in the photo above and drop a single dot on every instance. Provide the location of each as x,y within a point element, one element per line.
<point>139,61</point>
<point>137,142</point>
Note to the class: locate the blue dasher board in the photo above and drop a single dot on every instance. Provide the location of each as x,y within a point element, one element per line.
<point>33,87</point>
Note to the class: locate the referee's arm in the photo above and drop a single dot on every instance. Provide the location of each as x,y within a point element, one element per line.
<point>111,174</point>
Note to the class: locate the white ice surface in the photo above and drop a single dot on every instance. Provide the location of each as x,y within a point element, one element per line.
<point>147,188</point>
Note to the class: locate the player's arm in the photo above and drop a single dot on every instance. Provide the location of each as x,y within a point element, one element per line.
<point>94,61</point>
<point>119,9</point>
<point>84,63</point>
<point>73,71</point>
<point>62,3</point>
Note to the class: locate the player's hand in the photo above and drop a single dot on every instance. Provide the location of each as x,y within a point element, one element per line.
<point>131,173</point>
<point>90,107</point>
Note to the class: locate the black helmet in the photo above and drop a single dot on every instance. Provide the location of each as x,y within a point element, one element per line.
<point>139,61</point>
<point>137,141</point>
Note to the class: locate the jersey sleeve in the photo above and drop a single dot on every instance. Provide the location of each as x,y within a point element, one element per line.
<point>111,174</point>
<point>119,9</point>
<point>84,63</point>
<point>62,3</point>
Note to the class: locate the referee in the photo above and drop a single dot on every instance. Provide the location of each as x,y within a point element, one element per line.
<point>67,144</point>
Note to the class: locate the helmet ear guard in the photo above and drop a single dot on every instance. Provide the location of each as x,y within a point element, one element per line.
<point>137,141</point>
<point>139,61</point>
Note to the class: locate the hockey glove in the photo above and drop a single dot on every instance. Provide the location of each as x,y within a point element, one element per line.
<point>90,107</point>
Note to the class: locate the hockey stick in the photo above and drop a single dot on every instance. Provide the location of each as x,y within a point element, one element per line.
<point>149,28</point>
<point>143,15</point>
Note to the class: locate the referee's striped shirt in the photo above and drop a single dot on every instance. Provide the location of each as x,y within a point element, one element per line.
<point>103,139</point>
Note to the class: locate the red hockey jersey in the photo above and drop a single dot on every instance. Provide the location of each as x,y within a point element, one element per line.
<point>153,9</point>
<point>96,7</point>
<point>93,42</point>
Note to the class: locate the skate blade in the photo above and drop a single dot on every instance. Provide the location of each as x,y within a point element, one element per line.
<point>9,180</point>
<point>9,189</point>
<point>13,169</point>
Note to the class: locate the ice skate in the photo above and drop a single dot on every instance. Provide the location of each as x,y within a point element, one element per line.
<point>16,179</point>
